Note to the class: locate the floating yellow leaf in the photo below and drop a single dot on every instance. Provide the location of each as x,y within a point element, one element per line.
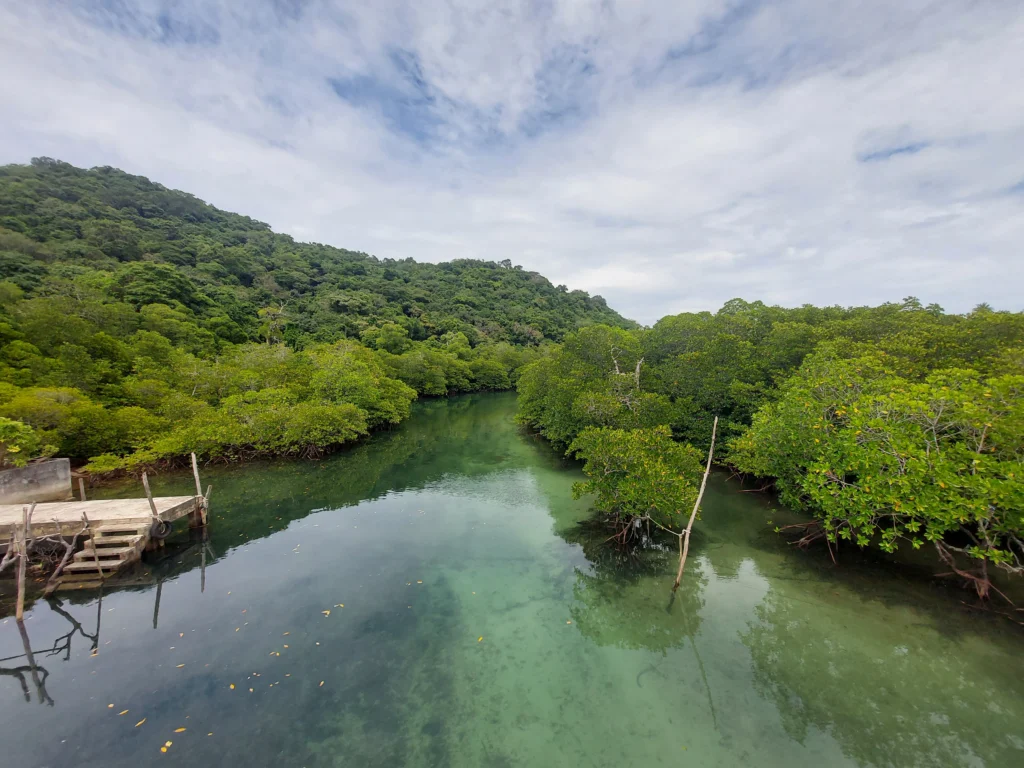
<point>123,712</point>
<point>168,743</point>
<point>210,733</point>
<point>179,730</point>
<point>321,684</point>
<point>568,622</point>
<point>180,666</point>
<point>163,749</point>
<point>181,634</point>
<point>287,633</point>
<point>480,639</point>
<point>326,613</point>
<point>232,686</point>
<point>419,582</point>
<point>140,722</point>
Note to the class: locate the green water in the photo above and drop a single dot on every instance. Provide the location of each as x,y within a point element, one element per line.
<point>457,527</point>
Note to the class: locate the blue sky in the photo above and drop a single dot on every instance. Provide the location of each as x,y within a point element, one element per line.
<point>667,155</point>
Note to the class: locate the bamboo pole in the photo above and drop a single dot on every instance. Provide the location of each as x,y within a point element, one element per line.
<point>684,537</point>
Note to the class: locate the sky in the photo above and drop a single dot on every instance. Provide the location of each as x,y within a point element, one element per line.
<point>666,155</point>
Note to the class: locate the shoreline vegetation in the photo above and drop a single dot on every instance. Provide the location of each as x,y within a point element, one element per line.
<point>891,426</point>
<point>139,324</point>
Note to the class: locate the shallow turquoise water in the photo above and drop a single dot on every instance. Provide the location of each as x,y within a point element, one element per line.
<point>482,627</point>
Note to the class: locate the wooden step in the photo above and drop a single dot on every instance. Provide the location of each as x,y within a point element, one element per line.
<point>90,565</point>
<point>128,526</point>
<point>128,538</point>
<point>104,553</point>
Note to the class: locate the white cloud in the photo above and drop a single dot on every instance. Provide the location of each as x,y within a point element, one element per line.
<point>667,155</point>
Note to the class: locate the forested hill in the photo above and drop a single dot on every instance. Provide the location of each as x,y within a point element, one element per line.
<point>125,238</point>
<point>139,324</point>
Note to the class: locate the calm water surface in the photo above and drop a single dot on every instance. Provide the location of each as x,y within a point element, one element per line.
<point>472,623</point>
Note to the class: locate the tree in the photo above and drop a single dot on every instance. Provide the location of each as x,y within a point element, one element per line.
<point>19,443</point>
<point>638,473</point>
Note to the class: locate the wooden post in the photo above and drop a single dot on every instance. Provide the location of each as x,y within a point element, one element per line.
<point>199,516</point>
<point>95,551</point>
<point>195,474</point>
<point>206,504</point>
<point>81,488</point>
<point>22,561</point>
<point>148,495</point>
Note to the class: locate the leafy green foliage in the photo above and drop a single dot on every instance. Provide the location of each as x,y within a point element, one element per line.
<point>890,424</point>
<point>881,458</point>
<point>18,443</point>
<point>138,323</point>
<point>639,473</point>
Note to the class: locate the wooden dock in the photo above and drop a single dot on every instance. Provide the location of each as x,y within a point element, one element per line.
<point>67,515</point>
<point>117,532</point>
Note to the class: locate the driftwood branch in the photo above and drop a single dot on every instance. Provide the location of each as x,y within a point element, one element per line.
<point>69,550</point>
<point>684,537</point>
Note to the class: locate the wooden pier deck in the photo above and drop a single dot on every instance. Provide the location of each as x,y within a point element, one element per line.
<point>101,513</point>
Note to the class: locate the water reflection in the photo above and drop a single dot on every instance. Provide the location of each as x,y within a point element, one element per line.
<point>481,625</point>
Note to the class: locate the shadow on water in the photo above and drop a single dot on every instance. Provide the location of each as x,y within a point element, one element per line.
<point>429,598</point>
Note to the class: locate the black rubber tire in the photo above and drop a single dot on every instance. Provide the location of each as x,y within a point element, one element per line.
<point>160,530</point>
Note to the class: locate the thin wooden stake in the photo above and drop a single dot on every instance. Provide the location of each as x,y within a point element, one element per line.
<point>22,561</point>
<point>684,537</point>
<point>149,495</point>
<point>81,489</point>
<point>195,474</point>
<point>206,503</point>
<point>95,551</point>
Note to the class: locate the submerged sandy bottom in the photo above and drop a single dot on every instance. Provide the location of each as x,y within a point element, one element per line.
<point>471,623</point>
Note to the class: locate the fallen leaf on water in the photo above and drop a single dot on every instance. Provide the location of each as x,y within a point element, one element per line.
<point>419,582</point>
<point>125,712</point>
<point>250,690</point>
<point>210,733</point>
<point>110,706</point>
<point>285,647</point>
<point>237,628</point>
<point>163,749</point>
<point>179,730</point>
<point>326,613</point>
<point>480,639</point>
<point>321,684</point>
<point>168,743</point>
<point>287,633</point>
<point>568,622</point>
<point>232,686</point>
<point>179,666</point>
<point>181,634</point>
<point>140,722</point>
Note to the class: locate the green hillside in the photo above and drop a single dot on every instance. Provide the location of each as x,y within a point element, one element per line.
<point>139,321</point>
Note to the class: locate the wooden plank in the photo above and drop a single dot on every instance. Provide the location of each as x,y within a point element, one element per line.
<point>111,540</point>
<point>90,565</point>
<point>103,552</point>
<point>102,513</point>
